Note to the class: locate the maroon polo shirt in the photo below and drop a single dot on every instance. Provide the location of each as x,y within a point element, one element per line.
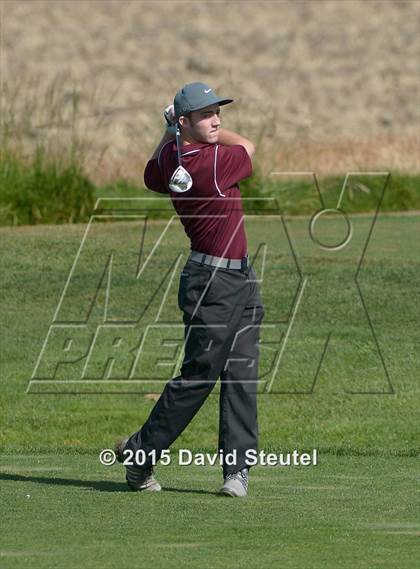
<point>211,210</point>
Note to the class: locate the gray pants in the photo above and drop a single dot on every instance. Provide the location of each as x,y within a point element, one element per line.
<point>222,312</point>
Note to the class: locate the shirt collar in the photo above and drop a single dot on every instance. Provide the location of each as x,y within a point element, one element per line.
<point>189,147</point>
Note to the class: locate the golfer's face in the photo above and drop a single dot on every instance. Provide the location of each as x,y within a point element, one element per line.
<point>205,124</point>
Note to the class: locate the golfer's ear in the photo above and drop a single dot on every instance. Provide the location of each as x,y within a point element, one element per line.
<point>182,120</point>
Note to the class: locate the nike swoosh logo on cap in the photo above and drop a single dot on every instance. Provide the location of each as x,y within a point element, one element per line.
<point>207,90</point>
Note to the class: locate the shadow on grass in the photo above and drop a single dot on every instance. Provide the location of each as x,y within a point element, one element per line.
<point>98,485</point>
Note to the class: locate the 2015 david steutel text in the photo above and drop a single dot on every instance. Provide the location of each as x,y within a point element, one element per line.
<point>186,457</point>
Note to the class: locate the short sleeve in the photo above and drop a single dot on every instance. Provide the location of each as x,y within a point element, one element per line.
<point>232,165</point>
<point>153,177</point>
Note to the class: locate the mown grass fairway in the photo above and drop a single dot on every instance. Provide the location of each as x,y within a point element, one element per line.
<point>380,419</point>
<point>63,511</point>
<point>355,509</point>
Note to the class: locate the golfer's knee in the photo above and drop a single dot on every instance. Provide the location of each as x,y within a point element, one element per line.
<point>193,383</point>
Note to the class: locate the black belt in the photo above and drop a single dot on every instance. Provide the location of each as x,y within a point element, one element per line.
<point>221,262</point>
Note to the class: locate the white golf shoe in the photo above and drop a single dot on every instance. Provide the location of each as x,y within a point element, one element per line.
<point>236,484</point>
<point>138,479</point>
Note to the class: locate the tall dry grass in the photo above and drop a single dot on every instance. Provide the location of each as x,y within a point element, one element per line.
<point>52,166</point>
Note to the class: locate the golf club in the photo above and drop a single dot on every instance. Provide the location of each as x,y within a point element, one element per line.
<point>181,180</point>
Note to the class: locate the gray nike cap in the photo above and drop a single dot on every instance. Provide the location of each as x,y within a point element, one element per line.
<point>196,96</point>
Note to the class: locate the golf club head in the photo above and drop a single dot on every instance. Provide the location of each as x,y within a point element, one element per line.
<point>180,181</point>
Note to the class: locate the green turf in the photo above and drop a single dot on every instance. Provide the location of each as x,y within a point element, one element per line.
<point>355,509</point>
<point>37,260</point>
<point>68,512</point>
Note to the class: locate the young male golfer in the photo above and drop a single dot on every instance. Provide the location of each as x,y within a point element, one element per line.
<point>218,293</point>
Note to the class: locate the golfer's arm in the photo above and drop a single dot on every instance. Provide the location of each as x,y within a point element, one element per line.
<point>229,138</point>
<point>166,138</point>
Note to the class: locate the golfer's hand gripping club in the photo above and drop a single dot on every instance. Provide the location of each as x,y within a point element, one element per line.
<point>169,114</point>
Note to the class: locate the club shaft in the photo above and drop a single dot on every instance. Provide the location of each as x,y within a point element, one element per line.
<point>178,144</point>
